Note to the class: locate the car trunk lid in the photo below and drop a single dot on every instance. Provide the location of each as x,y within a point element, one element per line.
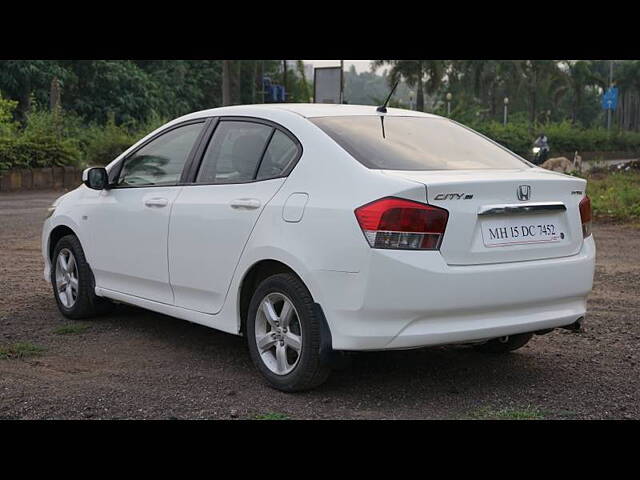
<point>500,216</point>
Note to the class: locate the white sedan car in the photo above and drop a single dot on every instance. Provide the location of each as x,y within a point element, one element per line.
<point>314,229</point>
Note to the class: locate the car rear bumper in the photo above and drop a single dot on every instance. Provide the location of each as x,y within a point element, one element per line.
<point>409,299</point>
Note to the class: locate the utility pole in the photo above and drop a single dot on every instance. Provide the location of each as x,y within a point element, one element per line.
<point>506,107</point>
<point>226,83</point>
<point>262,79</point>
<point>284,79</point>
<point>610,85</point>
<point>54,95</point>
<point>341,81</point>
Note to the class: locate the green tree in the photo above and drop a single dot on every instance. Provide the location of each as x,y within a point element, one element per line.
<point>423,75</point>
<point>579,77</point>
<point>7,125</point>
<point>627,79</point>
<point>22,80</point>
<point>97,88</point>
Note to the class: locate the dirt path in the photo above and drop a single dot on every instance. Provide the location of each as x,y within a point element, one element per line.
<point>137,364</point>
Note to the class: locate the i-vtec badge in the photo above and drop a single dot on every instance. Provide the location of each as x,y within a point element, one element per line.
<point>453,196</point>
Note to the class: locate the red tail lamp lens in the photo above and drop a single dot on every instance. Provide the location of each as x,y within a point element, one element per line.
<point>585,216</point>
<point>402,224</point>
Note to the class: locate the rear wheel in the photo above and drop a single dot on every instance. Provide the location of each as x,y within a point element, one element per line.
<point>504,344</point>
<point>72,281</point>
<point>283,334</point>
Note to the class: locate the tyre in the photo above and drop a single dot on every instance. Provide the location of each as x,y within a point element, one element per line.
<point>504,344</point>
<point>73,283</point>
<point>283,334</point>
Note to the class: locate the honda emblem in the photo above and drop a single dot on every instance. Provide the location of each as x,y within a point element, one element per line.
<point>524,192</point>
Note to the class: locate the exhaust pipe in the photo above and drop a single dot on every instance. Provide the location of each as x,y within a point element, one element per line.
<point>575,326</point>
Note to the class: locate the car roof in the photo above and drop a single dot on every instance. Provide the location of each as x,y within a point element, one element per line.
<point>307,110</point>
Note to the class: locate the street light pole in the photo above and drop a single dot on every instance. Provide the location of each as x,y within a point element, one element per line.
<point>506,106</point>
<point>449,97</point>
<point>610,85</point>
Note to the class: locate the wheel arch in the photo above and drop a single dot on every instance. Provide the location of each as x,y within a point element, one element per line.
<point>263,269</point>
<point>252,278</point>
<point>56,234</point>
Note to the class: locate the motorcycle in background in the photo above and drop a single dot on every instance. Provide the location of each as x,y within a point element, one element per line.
<point>539,155</point>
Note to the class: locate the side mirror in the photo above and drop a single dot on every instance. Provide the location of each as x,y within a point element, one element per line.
<point>95,178</point>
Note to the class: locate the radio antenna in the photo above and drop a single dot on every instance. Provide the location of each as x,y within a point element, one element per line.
<point>383,107</point>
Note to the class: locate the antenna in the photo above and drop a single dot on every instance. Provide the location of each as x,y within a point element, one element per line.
<point>383,107</point>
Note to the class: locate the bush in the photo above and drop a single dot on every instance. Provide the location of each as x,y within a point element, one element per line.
<point>615,196</point>
<point>7,125</point>
<point>23,152</point>
<point>60,138</point>
<point>563,137</point>
<point>46,140</point>
<point>103,143</point>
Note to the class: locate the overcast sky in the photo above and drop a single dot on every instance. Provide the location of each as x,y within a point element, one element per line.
<point>361,65</point>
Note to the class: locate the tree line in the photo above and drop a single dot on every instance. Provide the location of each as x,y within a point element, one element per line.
<point>538,91</point>
<point>134,91</point>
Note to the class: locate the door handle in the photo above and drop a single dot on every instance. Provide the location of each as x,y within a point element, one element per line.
<point>245,203</point>
<point>156,202</point>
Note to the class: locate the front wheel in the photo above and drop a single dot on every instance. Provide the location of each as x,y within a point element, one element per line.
<point>504,344</point>
<point>283,334</point>
<point>72,281</point>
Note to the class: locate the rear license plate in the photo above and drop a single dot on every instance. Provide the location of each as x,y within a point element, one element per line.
<point>521,230</point>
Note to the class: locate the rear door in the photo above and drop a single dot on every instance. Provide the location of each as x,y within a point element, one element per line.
<point>505,215</point>
<point>242,167</point>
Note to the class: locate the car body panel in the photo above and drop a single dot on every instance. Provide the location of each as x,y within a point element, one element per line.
<point>413,299</point>
<point>206,220</point>
<point>129,241</point>
<point>463,242</point>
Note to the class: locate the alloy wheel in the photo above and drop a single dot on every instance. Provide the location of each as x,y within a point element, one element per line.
<point>67,278</point>
<point>278,333</point>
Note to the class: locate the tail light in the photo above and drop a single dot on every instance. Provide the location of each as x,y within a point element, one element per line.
<point>585,216</point>
<point>402,224</point>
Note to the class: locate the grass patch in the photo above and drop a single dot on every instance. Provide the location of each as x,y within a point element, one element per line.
<point>20,350</point>
<point>523,413</point>
<point>615,196</point>
<point>71,329</point>
<point>272,416</point>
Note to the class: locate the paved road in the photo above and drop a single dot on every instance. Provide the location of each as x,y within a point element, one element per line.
<point>138,364</point>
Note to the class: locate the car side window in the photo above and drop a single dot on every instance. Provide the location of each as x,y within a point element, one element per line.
<point>160,162</point>
<point>279,155</point>
<point>234,152</point>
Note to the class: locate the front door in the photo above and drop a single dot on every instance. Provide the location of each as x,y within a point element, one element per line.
<point>129,222</point>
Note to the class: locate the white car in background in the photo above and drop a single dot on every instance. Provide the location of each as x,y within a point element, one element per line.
<point>313,229</point>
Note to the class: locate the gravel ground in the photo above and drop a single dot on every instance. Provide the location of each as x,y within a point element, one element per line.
<point>138,364</point>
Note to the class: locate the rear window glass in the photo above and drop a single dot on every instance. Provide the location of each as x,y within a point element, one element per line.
<point>414,143</point>
<point>279,155</point>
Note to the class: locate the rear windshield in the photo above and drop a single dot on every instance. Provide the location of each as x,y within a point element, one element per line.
<point>415,143</point>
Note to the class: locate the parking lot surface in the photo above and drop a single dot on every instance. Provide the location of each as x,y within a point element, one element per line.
<point>138,364</point>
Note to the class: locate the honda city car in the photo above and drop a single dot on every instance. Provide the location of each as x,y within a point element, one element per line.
<point>315,229</point>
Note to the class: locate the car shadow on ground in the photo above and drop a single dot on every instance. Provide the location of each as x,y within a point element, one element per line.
<point>448,370</point>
